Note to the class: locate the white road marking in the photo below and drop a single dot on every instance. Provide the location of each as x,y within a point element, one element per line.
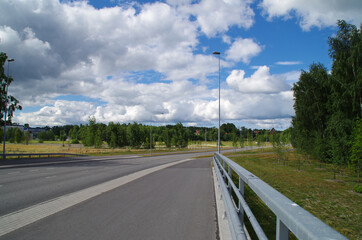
<point>50,177</point>
<point>21,218</point>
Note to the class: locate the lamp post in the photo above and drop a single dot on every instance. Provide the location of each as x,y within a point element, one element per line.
<point>150,139</point>
<point>218,133</point>
<point>6,106</point>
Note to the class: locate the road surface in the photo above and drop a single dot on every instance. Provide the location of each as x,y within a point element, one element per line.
<point>122,197</point>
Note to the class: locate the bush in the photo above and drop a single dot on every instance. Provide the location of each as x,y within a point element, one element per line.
<point>358,188</point>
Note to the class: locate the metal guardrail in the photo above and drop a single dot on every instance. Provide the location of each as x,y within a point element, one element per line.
<point>39,154</point>
<point>290,216</point>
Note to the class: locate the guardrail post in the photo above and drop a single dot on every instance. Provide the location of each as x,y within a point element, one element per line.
<point>282,231</point>
<point>241,210</point>
<point>229,182</point>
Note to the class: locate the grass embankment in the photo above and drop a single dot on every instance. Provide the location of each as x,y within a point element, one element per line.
<point>309,184</point>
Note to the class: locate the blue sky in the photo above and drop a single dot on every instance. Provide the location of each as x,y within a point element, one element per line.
<point>152,61</point>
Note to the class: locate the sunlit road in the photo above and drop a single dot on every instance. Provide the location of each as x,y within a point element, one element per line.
<point>159,197</point>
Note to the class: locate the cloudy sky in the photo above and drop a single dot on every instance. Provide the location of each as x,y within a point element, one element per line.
<point>151,61</point>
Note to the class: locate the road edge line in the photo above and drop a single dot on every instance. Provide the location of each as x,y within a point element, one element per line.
<point>18,219</point>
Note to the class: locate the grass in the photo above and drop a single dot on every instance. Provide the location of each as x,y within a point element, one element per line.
<point>57,147</point>
<point>310,185</point>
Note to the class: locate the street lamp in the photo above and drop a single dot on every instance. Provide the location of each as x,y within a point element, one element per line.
<point>6,107</point>
<point>218,133</point>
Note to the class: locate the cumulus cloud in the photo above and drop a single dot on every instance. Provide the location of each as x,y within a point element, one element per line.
<point>61,113</point>
<point>243,50</point>
<point>162,102</point>
<point>72,48</point>
<point>56,39</point>
<point>260,82</point>
<point>216,16</point>
<point>311,13</point>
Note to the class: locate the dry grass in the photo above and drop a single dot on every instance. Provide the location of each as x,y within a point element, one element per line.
<point>313,187</point>
<point>57,147</point>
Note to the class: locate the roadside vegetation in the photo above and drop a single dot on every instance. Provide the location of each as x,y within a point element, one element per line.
<point>322,174</point>
<point>328,105</point>
<point>311,184</point>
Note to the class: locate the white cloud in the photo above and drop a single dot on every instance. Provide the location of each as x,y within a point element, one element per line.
<point>260,82</point>
<point>288,63</point>
<point>216,16</point>
<point>61,113</point>
<point>278,123</point>
<point>52,41</point>
<point>164,102</point>
<point>74,49</point>
<point>243,50</point>
<point>311,13</point>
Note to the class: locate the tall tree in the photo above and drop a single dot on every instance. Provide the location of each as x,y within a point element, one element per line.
<point>134,135</point>
<point>8,103</point>
<point>311,95</point>
<point>346,89</point>
<point>328,105</point>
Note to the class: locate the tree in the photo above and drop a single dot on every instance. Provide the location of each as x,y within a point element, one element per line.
<point>311,95</point>
<point>8,103</point>
<point>356,148</point>
<point>134,135</point>
<point>235,140</point>
<point>346,94</point>
<point>74,134</point>
<point>98,142</point>
<point>62,136</point>
<point>327,105</point>
<point>27,137</point>
<point>167,137</point>
<point>89,132</point>
<point>180,137</point>
<point>18,135</point>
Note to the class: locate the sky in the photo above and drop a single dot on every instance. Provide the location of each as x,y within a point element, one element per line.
<point>152,62</point>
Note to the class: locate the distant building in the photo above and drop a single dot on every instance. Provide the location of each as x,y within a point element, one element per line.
<point>35,131</point>
<point>20,127</point>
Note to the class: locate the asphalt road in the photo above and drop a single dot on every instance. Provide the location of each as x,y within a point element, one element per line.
<point>176,202</point>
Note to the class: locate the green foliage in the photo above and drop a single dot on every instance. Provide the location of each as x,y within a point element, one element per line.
<point>27,137</point>
<point>88,133</point>
<point>8,103</point>
<point>46,136</point>
<point>74,134</point>
<point>18,135</point>
<point>180,138</point>
<point>326,105</point>
<point>167,137</point>
<point>98,138</point>
<point>358,188</point>
<point>134,135</point>
<point>241,142</point>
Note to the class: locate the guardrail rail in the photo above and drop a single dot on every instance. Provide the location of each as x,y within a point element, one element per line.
<point>30,155</point>
<point>290,216</point>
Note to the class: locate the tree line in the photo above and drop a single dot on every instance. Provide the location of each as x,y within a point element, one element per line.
<point>327,122</point>
<point>136,135</point>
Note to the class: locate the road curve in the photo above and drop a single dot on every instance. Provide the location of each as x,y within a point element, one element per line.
<point>176,202</point>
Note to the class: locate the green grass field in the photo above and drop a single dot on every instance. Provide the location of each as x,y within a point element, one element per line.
<point>309,184</point>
